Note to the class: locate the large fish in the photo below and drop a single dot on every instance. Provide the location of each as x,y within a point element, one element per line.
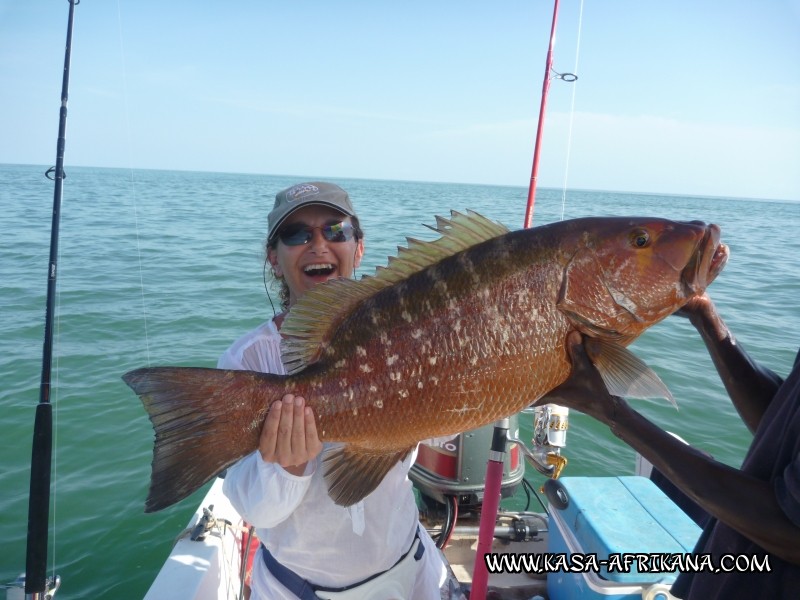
<point>452,335</point>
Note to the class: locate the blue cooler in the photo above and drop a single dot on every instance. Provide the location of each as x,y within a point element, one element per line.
<point>616,515</point>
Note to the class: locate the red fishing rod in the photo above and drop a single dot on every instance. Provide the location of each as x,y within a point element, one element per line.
<point>37,586</point>
<point>548,74</point>
<point>494,466</point>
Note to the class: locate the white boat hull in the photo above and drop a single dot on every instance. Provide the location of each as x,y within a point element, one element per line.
<point>207,569</point>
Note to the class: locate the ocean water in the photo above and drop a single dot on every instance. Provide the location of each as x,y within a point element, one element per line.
<point>161,267</point>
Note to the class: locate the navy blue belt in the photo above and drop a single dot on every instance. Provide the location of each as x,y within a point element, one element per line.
<point>305,590</point>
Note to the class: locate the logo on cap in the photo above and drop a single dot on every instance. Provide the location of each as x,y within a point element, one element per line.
<point>300,191</point>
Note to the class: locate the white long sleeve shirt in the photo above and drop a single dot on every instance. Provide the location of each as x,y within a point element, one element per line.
<point>297,521</point>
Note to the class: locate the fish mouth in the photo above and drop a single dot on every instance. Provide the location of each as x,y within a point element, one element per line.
<point>707,262</point>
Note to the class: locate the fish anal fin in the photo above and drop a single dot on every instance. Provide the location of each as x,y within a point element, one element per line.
<point>352,473</point>
<point>624,373</point>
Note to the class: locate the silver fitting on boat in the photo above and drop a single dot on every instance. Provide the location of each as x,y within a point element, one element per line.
<point>550,424</point>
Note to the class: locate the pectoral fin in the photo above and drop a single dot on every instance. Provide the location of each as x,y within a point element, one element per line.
<point>352,473</point>
<point>623,373</point>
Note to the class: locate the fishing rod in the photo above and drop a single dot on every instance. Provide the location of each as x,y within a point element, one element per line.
<point>37,586</point>
<point>548,71</point>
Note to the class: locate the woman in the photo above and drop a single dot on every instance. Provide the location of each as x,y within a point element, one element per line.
<point>313,548</point>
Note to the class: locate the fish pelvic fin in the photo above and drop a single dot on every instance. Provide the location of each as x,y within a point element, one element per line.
<point>624,373</point>
<point>204,420</point>
<point>309,325</point>
<point>352,473</point>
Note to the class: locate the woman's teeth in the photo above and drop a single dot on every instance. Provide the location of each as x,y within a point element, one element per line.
<point>319,269</point>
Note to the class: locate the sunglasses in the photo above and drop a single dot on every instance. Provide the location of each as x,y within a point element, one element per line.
<point>298,234</point>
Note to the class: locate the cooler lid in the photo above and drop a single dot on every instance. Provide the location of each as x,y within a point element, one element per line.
<point>626,515</point>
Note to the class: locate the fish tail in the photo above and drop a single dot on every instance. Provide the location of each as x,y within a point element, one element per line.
<point>204,420</point>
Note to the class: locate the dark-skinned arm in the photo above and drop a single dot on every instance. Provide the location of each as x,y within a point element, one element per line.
<point>750,386</point>
<point>744,503</point>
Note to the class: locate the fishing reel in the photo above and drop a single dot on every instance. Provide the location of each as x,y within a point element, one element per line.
<point>550,424</point>
<point>16,589</point>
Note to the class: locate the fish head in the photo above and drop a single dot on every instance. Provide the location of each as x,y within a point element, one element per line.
<point>625,274</point>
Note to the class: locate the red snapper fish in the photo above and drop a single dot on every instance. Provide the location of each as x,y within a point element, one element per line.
<point>452,335</point>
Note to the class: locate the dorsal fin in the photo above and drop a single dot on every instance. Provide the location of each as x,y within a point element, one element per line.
<point>307,326</point>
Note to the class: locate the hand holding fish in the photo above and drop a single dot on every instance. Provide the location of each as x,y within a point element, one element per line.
<point>741,501</point>
<point>702,313</point>
<point>289,436</point>
<point>750,386</point>
<point>584,390</point>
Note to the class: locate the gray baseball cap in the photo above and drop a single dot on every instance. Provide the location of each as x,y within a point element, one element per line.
<point>307,194</point>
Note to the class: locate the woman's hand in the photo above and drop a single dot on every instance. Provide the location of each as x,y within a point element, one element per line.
<point>289,435</point>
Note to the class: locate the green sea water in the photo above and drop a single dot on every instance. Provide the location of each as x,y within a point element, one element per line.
<point>160,267</point>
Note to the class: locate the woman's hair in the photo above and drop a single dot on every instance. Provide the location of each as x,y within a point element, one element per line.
<point>280,282</point>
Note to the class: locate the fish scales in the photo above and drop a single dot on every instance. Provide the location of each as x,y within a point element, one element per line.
<point>362,397</point>
<point>452,335</point>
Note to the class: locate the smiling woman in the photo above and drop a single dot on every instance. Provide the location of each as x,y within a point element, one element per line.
<point>314,236</point>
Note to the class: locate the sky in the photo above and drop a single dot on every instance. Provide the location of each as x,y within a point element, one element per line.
<point>679,97</point>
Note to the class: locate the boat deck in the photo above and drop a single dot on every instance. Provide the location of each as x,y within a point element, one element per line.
<point>461,550</point>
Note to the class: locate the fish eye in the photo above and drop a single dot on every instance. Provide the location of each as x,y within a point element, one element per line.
<point>640,238</point>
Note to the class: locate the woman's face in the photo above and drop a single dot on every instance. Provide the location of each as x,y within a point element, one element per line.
<point>306,265</point>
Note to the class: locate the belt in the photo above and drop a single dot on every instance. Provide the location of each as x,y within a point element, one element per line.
<point>305,590</point>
